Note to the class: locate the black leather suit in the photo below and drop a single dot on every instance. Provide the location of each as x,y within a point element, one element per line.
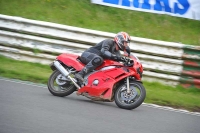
<point>94,56</point>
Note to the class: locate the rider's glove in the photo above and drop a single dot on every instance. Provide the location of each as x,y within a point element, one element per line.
<point>124,59</point>
<point>119,58</point>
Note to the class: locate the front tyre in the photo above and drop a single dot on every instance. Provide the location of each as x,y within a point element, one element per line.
<point>59,85</point>
<point>132,100</point>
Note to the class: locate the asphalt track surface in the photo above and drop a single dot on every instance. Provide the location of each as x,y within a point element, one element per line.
<point>29,108</point>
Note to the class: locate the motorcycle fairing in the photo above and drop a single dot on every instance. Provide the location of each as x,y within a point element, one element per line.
<point>107,79</point>
<point>109,63</point>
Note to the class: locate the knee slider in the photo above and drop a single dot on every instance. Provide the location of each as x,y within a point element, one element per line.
<point>97,61</point>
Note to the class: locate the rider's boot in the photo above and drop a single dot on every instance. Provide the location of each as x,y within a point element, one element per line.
<point>80,75</point>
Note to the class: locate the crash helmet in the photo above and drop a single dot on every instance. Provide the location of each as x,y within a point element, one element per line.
<point>120,38</point>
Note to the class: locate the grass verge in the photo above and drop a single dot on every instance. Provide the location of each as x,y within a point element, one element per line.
<point>157,93</point>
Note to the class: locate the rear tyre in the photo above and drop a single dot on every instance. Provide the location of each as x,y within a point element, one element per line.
<point>132,100</point>
<point>59,85</point>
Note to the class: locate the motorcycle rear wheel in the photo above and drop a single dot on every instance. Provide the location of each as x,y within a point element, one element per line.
<point>65,88</point>
<point>132,100</point>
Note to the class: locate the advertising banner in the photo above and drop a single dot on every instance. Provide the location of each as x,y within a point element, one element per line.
<point>180,8</point>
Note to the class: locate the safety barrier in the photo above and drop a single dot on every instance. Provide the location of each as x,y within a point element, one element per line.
<point>38,41</point>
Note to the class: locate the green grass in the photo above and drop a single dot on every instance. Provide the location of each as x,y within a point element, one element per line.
<point>157,93</point>
<point>22,70</point>
<point>82,13</point>
<point>177,97</point>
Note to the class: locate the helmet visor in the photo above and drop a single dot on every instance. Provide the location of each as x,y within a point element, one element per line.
<point>126,47</point>
<point>126,43</point>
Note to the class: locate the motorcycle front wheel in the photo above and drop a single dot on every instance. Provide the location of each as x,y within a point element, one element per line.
<point>59,85</point>
<point>130,100</point>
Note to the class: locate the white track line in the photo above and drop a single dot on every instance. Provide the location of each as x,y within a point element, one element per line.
<point>170,109</point>
<point>143,104</point>
<point>23,82</point>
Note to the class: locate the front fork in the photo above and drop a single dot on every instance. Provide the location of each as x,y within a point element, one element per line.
<point>128,85</point>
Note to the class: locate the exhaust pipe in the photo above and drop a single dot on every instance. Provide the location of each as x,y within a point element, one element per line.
<point>64,72</point>
<point>61,68</point>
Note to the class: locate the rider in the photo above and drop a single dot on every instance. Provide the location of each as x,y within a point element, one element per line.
<point>106,49</point>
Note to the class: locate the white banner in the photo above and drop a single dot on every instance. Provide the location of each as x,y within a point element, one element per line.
<point>180,8</point>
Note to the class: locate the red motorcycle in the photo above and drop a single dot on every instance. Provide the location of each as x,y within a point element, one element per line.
<point>112,81</point>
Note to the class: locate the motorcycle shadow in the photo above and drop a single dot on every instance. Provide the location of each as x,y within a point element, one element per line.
<point>86,100</point>
<point>83,101</point>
